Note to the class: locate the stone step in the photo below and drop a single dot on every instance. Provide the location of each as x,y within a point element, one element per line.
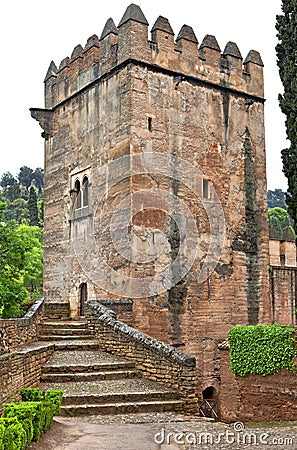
<point>64,324</point>
<point>88,376</point>
<point>70,368</point>
<point>56,337</point>
<point>128,397</point>
<point>76,344</point>
<point>97,382</point>
<point>65,331</point>
<point>122,408</point>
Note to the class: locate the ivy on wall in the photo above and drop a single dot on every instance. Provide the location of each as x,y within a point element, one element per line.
<point>262,349</point>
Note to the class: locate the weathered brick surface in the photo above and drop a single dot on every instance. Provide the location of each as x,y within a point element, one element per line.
<point>256,397</point>
<point>283,286</point>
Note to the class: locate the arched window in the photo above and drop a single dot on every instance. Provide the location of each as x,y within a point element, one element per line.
<point>85,192</point>
<point>77,195</point>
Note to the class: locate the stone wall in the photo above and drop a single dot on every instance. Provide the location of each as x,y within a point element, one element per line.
<point>154,359</point>
<point>56,310</point>
<point>123,309</point>
<point>283,288</point>
<point>22,369</point>
<point>16,332</point>
<point>256,397</point>
<point>282,253</point>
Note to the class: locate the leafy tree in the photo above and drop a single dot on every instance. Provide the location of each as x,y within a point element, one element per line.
<point>15,193</point>
<point>12,290</point>
<point>7,179</point>
<point>32,207</point>
<point>26,176</point>
<point>286,59</point>
<point>32,239</point>
<point>38,178</point>
<point>21,255</point>
<point>17,210</point>
<point>11,189</point>
<point>280,220</point>
<point>40,205</point>
<point>277,198</point>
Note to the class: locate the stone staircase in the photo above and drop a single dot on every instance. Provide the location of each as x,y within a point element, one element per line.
<point>96,382</point>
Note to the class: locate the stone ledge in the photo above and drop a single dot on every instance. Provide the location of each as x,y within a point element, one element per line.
<point>108,317</point>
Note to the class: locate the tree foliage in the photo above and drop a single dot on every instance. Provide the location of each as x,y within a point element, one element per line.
<point>21,252</point>
<point>23,195</point>
<point>277,199</point>
<point>287,62</point>
<point>280,220</point>
<point>25,176</point>
<point>32,207</point>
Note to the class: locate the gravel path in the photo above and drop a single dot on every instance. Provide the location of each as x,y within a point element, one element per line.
<point>163,432</point>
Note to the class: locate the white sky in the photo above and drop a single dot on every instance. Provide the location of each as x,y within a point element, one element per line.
<point>34,32</point>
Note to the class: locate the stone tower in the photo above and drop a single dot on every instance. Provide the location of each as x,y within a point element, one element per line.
<point>155,183</point>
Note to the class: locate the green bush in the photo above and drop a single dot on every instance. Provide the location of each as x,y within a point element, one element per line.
<point>23,415</point>
<point>262,349</point>
<point>55,396</point>
<point>48,414</point>
<point>14,436</point>
<point>31,410</point>
<point>26,421</point>
<point>2,431</point>
<point>31,395</point>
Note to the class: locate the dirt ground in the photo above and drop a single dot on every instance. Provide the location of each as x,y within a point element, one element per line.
<point>147,433</point>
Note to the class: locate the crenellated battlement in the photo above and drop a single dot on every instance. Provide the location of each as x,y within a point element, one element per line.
<point>182,56</point>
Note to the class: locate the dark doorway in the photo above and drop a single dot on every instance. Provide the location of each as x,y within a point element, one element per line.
<point>83,297</point>
<point>209,405</point>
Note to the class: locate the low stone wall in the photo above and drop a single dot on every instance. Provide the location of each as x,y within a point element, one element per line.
<point>256,397</point>
<point>56,310</point>
<point>17,332</point>
<point>122,308</point>
<point>22,369</point>
<point>154,359</point>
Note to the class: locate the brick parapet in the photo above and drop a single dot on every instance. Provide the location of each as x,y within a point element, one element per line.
<point>15,333</point>
<point>154,359</point>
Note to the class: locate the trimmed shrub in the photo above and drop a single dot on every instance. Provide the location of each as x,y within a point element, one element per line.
<point>32,410</point>
<point>48,414</point>
<point>26,421</point>
<point>24,416</point>
<point>55,396</point>
<point>31,395</point>
<point>2,431</point>
<point>14,436</point>
<point>262,349</point>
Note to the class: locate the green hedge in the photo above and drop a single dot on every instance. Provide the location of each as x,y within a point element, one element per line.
<point>25,421</point>
<point>32,395</point>
<point>13,435</point>
<point>262,349</point>
<point>54,396</point>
